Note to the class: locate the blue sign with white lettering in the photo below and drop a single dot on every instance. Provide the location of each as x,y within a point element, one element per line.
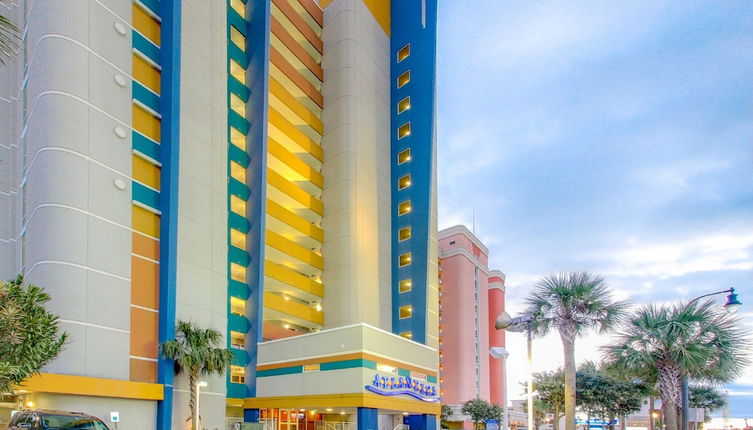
<point>395,386</point>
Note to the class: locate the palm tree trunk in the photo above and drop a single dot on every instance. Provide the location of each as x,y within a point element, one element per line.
<point>192,398</point>
<point>556,422</point>
<point>567,334</point>
<point>670,393</point>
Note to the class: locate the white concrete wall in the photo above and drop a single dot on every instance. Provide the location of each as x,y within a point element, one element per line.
<point>356,169</point>
<point>134,414</point>
<point>202,219</point>
<point>77,242</point>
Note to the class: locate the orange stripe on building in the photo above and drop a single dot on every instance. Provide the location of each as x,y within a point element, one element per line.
<point>143,370</point>
<point>300,24</point>
<point>296,48</point>
<point>145,246</point>
<point>294,75</point>
<point>89,386</point>
<point>144,283</point>
<point>314,10</point>
<point>144,324</point>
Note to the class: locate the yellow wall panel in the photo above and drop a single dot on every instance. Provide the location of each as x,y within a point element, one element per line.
<point>292,278</point>
<point>146,123</point>
<point>146,25</point>
<point>381,11</point>
<point>278,303</point>
<point>289,188</point>
<point>291,248</point>
<point>287,127</point>
<point>144,221</point>
<point>294,220</point>
<point>300,166</point>
<point>146,74</point>
<point>279,91</point>
<point>146,172</point>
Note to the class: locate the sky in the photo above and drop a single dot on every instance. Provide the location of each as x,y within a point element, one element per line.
<point>609,136</point>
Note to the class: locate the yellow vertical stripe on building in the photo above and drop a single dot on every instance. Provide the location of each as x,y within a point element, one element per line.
<point>144,221</point>
<point>287,127</point>
<point>279,91</point>
<point>283,244</point>
<point>299,310</point>
<point>146,123</point>
<point>380,9</point>
<point>294,220</point>
<point>146,74</point>
<point>145,172</point>
<point>146,25</point>
<point>292,278</point>
<point>276,180</point>
<point>295,163</point>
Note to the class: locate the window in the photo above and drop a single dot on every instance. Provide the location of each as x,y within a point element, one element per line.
<point>237,205</point>
<point>239,7</point>
<point>403,234</point>
<point>237,105</point>
<point>237,71</point>
<point>386,368</point>
<point>237,138</point>
<point>237,272</point>
<point>403,182</point>
<point>238,38</point>
<point>238,172</point>
<point>403,156</point>
<point>311,367</point>
<point>403,131</point>
<point>403,208</point>
<point>404,259</point>
<point>403,105</point>
<point>405,312</point>
<point>403,79</point>
<point>403,53</point>
<point>237,340</point>
<point>407,334</point>
<point>237,374</point>
<point>237,239</point>
<point>405,285</point>
<point>237,306</point>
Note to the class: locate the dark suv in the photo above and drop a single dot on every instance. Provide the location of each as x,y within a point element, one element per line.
<point>42,419</point>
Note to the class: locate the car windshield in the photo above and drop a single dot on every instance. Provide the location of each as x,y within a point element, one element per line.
<point>55,422</point>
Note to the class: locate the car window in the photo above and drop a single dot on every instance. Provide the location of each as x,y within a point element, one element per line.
<point>16,418</point>
<point>66,422</point>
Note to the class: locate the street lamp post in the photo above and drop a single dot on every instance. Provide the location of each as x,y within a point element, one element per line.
<point>519,324</point>
<point>501,353</point>
<point>731,306</point>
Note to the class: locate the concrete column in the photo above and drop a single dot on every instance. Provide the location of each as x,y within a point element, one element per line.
<point>368,419</point>
<point>421,422</point>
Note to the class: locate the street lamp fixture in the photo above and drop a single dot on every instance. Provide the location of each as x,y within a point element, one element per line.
<point>731,306</point>
<point>501,353</point>
<point>520,324</point>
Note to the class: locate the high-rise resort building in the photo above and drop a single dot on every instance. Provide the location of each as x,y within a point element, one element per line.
<point>471,298</point>
<point>262,167</point>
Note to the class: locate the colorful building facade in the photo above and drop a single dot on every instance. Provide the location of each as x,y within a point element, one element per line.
<point>262,167</point>
<point>471,297</point>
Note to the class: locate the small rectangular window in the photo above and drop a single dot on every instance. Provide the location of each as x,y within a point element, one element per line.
<point>403,233</point>
<point>405,285</point>
<point>405,311</point>
<point>403,79</point>
<point>237,172</point>
<point>403,156</point>
<point>238,105</point>
<point>311,367</point>
<point>238,38</point>
<point>403,182</point>
<point>404,259</point>
<point>237,272</point>
<point>403,131</point>
<point>237,374</point>
<point>403,208</point>
<point>403,105</point>
<point>238,205</point>
<point>403,53</point>
<point>237,138</point>
<point>237,340</point>
<point>407,334</point>
<point>237,71</point>
<point>239,7</point>
<point>237,239</point>
<point>237,306</point>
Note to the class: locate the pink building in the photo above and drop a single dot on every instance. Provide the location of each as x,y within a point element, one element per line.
<point>471,297</point>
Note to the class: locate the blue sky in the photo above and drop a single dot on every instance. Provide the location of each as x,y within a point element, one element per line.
<point>610,136</point>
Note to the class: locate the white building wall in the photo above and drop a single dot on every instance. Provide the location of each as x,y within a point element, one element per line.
<point>356,169</point>
<point>201,292</point>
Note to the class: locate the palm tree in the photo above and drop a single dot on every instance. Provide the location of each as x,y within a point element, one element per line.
<point>572,303</point>
<point>197,352</point>
<point>664,344</point>
<point>9,35</point>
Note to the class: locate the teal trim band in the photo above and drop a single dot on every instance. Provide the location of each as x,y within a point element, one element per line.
<point>237,323</point>
<point>239,156</point>
<point>238,222</point>
<point>238,256</point>
<point>238,89</point>
<point>237,21</point>
<point>237,289</point>
<point>237,188</point>
<point>348,364</point>
<point>236,391</point>
<point>145,195</point>
<point>238,122</point>
<point>145,146</point>
<point>240,357</point>
<point>145,96</point>
<point>432,379</point>
<point>146,47</point>
<point>403,372</point>
<point>237,54</point>
<point>152,5</point>
<point>280,371</point>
